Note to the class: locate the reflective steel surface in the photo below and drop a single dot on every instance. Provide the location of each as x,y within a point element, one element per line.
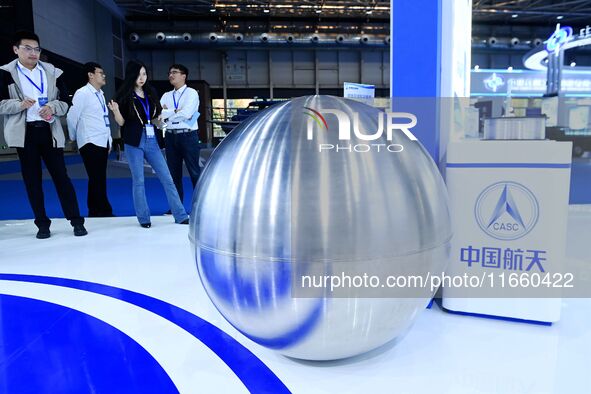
<point>275,202</point>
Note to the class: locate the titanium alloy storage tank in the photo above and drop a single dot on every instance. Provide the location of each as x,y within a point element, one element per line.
<point>311,190</point>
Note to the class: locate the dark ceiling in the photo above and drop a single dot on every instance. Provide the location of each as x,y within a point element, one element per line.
<point>486,11</point>
<point>539,12</point>
<point>310,9</point>
<point>526,19</point>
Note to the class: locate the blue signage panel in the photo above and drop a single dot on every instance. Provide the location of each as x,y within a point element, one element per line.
<point>527,83</point>
<point>416,66</point>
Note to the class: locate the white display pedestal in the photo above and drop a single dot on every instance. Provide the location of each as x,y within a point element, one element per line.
<point>509,207</point>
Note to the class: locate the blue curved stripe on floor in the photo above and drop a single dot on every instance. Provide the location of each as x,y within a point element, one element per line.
<point>253,373</point>
<point>15,206</point>
<point>49,348</point>
<point>14,166</point>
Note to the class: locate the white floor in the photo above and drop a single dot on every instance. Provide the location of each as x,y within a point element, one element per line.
<point>442,353</point>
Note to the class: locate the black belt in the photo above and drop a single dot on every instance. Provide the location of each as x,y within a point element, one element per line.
<point>179,131</point>
<point>37,123</point>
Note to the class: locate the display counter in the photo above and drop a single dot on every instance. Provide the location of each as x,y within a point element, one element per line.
<point>509,205</point>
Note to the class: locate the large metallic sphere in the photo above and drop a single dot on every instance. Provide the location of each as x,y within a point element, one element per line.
<point>275,204</point>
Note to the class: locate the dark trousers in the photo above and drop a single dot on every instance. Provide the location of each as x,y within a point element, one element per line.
<point>95,161</point>
<point>39,145</point>
<point>179,147</point>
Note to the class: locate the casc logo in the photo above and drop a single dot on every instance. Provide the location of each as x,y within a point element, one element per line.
<point>506,210</point>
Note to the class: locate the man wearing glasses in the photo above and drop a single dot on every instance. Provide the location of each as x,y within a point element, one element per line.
<point>32,97</point>
<point>88,124</point>
<point>180,111</point>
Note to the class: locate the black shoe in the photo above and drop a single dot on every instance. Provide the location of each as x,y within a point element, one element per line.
<point>79,230</point>
<point>43,233</point>
<point>186,221</point>
<point>146,225</point>
<point>169,212</point>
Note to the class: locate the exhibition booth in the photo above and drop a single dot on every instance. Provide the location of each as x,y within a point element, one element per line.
<point>411,243</point>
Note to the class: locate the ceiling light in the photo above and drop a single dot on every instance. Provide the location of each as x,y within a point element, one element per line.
<point>160,9</point>
<point>369,12</point>
<point>212,10</point>
<point>266,10</point>
<point>514,16</point>
<point>318,11</point>
<point>559,17</point>
<point>573,64</point>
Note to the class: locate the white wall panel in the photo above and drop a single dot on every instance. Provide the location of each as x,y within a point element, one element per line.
<point>349,66</point>
<point>282,68</point>
<point>290,68</point>
<point>190,59</point>
<point>303,68</point>
<point>371,67</point>
<point>257,68</point>
<point>161,61</point>
<point>211,67</point>
<point>328,68</point>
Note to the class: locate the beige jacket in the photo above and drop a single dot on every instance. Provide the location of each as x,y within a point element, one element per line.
<point>11,95</point>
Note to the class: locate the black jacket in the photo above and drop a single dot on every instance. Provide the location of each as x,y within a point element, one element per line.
<point>133,128</point>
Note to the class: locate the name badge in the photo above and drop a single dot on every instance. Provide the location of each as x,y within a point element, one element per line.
<point>106,118</point>
<point>42,101</point>
<point>149,130</point>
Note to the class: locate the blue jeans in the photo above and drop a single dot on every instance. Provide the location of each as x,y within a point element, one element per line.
<point>179,147</point>
<point>149,149</point>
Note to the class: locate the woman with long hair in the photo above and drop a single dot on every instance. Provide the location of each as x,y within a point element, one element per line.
<point>136,108</point>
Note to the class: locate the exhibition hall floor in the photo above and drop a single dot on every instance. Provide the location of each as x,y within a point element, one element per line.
<point>122,310</point>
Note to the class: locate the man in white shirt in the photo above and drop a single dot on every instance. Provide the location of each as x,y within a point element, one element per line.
<point>32,98</point>
<point>88,124</point>
<point>180,111</point>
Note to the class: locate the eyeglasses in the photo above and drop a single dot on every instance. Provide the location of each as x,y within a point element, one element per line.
<point>174,72</point>
<point>30,49</point>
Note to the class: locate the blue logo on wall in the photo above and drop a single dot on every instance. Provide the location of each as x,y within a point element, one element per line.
<point>557,40</point>
<point>494,82</point>
<point>506,210</point>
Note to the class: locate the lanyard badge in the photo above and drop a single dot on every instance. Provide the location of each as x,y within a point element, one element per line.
<point>41,89</point>
<point>42,100</point>
<point>149,131</point>
<point>176,103</point>
<point>146,106</point>
<point>104,107</point>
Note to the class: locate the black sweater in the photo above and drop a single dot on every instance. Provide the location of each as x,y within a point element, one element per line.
<point>133,128</point>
